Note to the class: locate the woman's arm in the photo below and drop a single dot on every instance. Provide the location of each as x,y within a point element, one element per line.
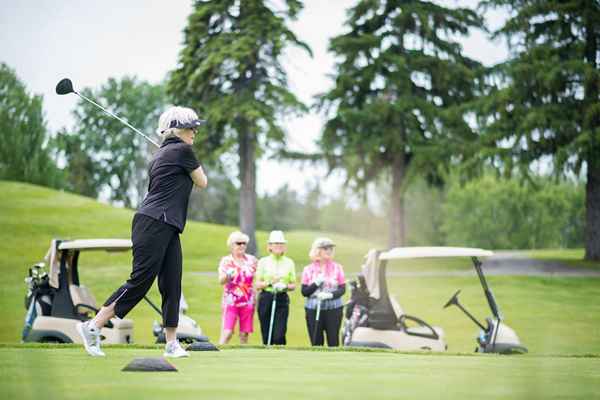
<point>339,292</point>
<point>199,178</point>
<point>307,290</point>
<point>223,278</point>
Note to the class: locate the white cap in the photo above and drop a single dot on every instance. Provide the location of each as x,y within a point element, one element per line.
<point>276,237</point>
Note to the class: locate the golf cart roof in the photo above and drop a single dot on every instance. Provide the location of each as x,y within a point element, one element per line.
<point>96,244</point>
<point>53,258</point>
<point>431,252</point>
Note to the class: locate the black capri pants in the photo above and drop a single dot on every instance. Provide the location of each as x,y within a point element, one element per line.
<point>329,322</point>
<point>156,252</point>
<point>280,319</point>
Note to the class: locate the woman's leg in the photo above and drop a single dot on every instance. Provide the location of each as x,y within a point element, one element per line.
<point>264,314</point>
<point>332,322</point>
<point>229,319</point>
<point>315,335</point>
<point>246,322</point>
<point>150,240</point>
<point>169,285</point>
<point>281,318</point>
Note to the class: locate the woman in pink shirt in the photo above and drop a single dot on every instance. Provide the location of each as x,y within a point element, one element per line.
<point>323,285</point>
<point>236,274</point>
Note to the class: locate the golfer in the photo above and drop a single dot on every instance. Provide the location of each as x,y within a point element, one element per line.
<point>236,274</point>
<point>275,276</point>
<point>323,285</point>
<point>155,232</point>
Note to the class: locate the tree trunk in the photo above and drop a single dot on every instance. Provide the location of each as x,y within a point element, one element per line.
<point>592,209</point>
<point>397,221</point>
<point>247,153</point>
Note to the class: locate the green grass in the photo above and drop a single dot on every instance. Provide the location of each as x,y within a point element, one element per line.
<point>558,319</point>
<point>295,374</point>
<point>571,257</point>
<point>551,315</point>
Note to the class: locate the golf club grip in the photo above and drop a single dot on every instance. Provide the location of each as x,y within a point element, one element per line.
<point>118,118</point>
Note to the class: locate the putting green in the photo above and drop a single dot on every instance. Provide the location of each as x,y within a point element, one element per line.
<point>68,373</point>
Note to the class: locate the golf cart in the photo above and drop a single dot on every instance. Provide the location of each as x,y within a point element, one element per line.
<point>375,319</point>
<point>56,300</point>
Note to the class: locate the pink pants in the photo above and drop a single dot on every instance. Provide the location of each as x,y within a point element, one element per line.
<point>245,315</point>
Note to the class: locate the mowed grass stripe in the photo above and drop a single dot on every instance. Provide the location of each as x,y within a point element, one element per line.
<point>295,374</point>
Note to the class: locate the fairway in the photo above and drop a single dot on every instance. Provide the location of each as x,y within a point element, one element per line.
<point>295,374</point>
<point>556,318</point>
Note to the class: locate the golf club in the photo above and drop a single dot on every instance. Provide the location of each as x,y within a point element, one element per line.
<point>153,305</point>
<point>317,323</point>
<point>65,86</point>
<point>273,305</point>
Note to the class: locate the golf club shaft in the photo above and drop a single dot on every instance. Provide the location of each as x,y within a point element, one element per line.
<point>117,117</point>
<point>316,323</point>
<point>153,305</point>
<point>273,305</point>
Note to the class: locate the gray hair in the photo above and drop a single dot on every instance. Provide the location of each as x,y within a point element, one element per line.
<point>180,114</point>
<point>237,236</point>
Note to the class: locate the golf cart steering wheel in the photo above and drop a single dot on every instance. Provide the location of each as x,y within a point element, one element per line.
<point>453,300</point>
<point>428,335</point>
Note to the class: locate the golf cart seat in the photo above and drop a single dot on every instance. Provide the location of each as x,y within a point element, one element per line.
<point>422,329</point>
<point>83,299</point>
<point>84,302</point>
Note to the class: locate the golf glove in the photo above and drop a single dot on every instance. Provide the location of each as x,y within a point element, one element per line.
<point>319,279</point>
<point>280,287</point>
<point>230,272</point>
<point>324,296</point>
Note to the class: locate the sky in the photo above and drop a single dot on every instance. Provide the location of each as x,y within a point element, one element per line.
<point>91,41</point>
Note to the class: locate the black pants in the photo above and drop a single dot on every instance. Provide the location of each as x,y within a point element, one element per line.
<point>282,310</point>
<point>329,322</point>
<point>156,252</point>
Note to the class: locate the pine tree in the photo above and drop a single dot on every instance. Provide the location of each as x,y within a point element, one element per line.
<point>230,70</point>
<point>399,84</point>
<point>546,96</point>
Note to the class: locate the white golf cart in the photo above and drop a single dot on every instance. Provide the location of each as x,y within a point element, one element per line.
<point>375,319</point>
<point>56,301</point>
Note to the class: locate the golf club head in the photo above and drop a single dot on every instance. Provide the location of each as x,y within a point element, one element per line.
<point>65,86</point>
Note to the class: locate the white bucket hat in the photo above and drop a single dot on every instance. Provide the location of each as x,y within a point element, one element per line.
<point>276,237</point>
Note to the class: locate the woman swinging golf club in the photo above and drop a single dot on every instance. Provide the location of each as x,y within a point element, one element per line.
<point>155,232</point>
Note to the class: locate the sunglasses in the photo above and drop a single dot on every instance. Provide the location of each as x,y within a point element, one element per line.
<point>241,243</point>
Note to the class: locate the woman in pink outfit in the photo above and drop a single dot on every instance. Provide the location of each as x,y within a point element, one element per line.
<point>323,285</point>
<point>236,274</point>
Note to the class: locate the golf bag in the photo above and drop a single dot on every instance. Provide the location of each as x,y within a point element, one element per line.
<point>356,313</point>
<point>38,300</point>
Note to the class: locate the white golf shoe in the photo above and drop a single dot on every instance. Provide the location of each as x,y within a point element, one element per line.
<point>91,338</point>
<point>174,350</point>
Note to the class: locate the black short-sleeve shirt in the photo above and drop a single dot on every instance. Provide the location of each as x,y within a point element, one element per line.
<point>170,183</point>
